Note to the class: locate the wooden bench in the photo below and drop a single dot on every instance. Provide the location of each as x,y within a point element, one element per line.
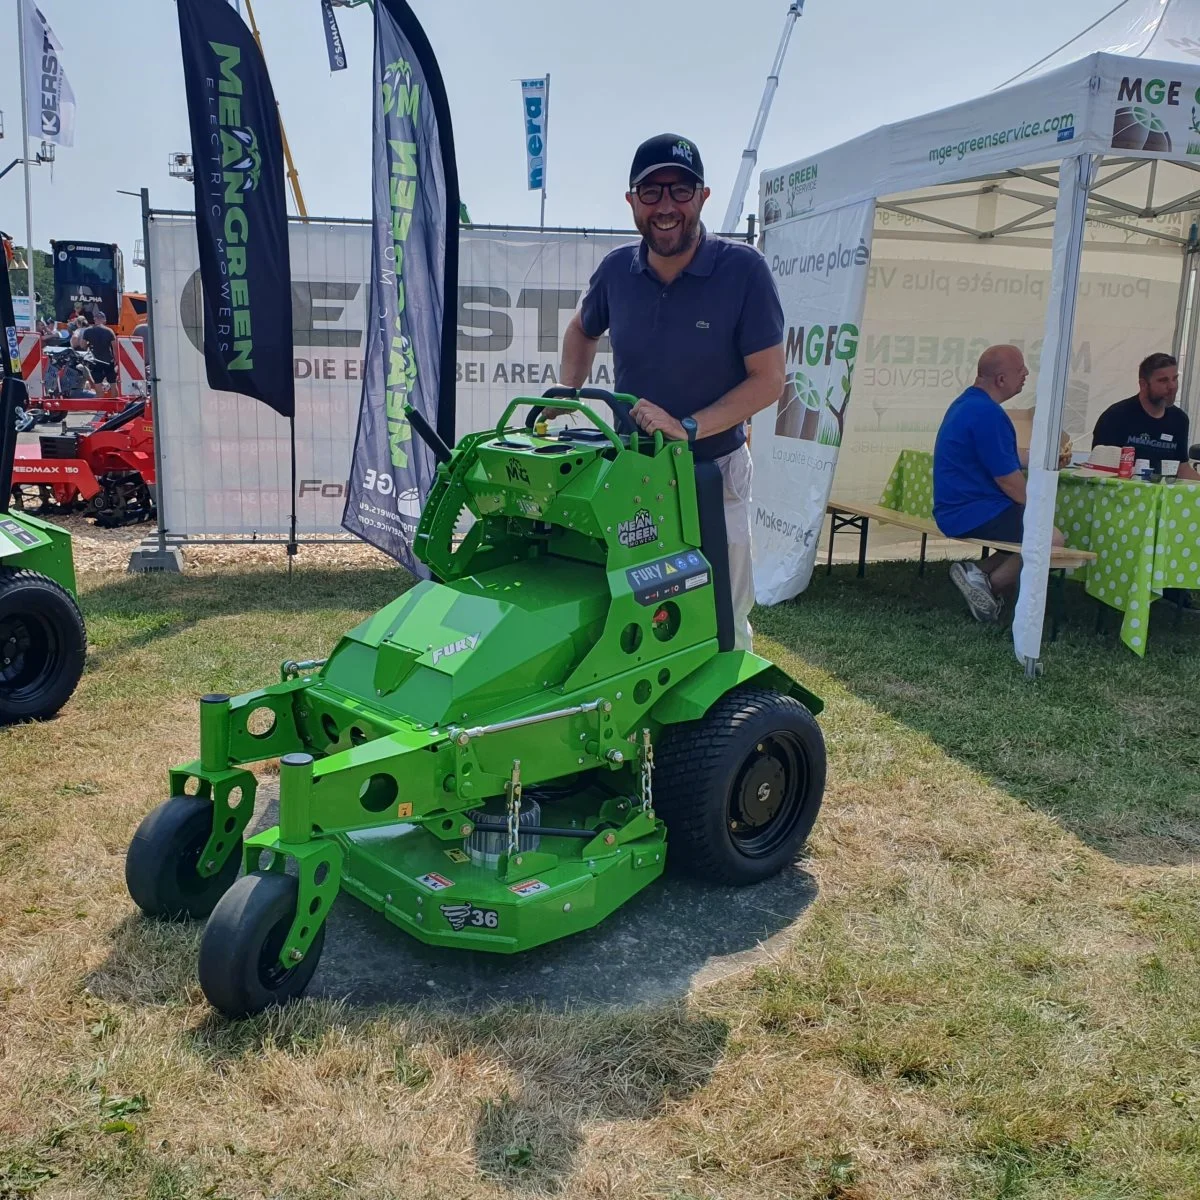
<point>845,515</point>
<point>916,467</point>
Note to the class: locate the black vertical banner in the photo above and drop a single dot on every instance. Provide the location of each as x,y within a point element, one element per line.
<point>241,206</point>
<point>414,288</point>
<point>333,37</point>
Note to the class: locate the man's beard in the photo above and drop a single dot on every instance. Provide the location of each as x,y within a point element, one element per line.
<point>667,243</point>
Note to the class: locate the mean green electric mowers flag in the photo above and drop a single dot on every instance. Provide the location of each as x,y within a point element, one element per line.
<point>241,206</point>
<point>414,281</point>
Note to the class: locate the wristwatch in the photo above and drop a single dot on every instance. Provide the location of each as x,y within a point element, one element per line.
<point>691,429</point>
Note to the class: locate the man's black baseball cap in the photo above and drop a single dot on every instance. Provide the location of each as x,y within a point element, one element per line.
<point>665,150</point>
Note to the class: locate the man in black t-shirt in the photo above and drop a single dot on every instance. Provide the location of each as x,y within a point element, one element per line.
<point>102,342</point>
<point>1149,421</point>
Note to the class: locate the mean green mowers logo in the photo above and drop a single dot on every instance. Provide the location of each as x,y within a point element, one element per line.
<point>234,173</point>
<point>400,99</point>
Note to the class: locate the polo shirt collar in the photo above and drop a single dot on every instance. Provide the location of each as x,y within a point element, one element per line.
<point>702,262</point>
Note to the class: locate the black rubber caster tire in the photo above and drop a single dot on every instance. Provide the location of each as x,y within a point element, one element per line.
<point>240,972</point>
<point>160,864</point>
<point>740,788</point>
<point>44,641</point>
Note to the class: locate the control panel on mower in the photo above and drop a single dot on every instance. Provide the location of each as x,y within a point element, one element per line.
<point>596,492</point>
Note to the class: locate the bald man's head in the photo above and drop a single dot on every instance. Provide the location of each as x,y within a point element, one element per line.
<point>1001,372</point>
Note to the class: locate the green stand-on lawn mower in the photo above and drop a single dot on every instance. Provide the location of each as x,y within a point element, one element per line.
<point>43,643</point>
<point>504,755</point>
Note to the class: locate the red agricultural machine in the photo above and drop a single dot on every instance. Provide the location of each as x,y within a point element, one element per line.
<point>107,469</point>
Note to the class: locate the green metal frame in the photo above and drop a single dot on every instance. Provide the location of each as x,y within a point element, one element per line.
<point>31,544</point>
<point>575,614</point>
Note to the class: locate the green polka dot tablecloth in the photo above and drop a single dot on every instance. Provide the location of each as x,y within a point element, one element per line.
<point>1146,537</point>
<point>909,489</point>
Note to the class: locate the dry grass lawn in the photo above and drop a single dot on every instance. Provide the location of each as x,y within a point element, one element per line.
<point>993,995</point>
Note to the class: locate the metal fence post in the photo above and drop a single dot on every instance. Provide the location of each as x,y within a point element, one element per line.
<point>160,557</point>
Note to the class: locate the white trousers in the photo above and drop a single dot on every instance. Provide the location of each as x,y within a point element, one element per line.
<point>737,474</point>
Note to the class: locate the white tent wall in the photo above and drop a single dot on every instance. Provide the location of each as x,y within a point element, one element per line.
<point>934,304</point>
<point>975,189</point>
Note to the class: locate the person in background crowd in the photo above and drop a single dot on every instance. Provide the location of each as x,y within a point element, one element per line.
<point>1149,421</point>
<point>978,487</point>
<point>72,380</point>
<point>102,342</point>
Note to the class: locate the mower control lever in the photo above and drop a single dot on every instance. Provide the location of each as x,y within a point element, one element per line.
<point>428,434</point>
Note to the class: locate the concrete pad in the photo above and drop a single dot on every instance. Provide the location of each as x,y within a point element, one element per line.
<point>148,557</point>
<point>674,937</point>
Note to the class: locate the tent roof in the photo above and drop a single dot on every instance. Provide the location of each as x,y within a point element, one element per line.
<point>1167,30</point>
<point>1131,109</point>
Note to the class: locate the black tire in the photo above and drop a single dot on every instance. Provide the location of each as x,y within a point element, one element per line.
<point>161,862</point>
<point>43,644</point>
<point>240,972</point>
<point>740,788</point>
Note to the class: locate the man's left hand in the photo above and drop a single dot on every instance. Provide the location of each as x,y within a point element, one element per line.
<point>651,418</point>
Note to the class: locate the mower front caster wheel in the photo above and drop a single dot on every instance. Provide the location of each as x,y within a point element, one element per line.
<point>161,862</point>
<point>240,972</point>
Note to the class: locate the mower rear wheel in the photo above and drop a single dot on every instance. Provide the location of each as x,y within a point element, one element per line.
<point>740,788</point>
<point>43,645</point>
<point>162,860</point>
<point>240,972</point>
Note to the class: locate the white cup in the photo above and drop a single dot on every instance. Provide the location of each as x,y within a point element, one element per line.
<point>1141,466</point>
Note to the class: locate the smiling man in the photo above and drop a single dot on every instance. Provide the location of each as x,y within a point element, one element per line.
<point>1149,421</point>
<point>697,334</point>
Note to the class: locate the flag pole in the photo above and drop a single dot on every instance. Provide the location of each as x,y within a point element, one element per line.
<point>545,150</point>
<point>25,157</point>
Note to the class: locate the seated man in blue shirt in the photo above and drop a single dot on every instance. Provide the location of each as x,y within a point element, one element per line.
<point>978,487</point>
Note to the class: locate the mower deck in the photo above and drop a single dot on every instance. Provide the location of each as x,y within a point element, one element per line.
<point>430,892</point>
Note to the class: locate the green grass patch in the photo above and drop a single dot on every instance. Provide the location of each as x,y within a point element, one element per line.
<point>993,994</point>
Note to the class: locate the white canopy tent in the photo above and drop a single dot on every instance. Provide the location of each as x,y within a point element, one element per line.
<point>1104,150</point>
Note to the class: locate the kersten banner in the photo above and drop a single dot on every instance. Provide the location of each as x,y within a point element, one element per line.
<point>241,208</point>
<point>820,265</point>
<point>48,93</point>
<point>414,262</point>
<point>226,457</point>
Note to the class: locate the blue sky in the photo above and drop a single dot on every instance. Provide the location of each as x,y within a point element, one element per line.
<point>619,72</point>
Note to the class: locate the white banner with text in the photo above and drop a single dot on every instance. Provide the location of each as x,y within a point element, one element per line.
<point>820,264</point>
<point>226,458</point>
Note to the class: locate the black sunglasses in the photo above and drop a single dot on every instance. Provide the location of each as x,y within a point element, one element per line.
<point>652,193</point>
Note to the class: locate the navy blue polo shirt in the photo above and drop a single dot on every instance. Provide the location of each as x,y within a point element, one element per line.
<point>682,345</point>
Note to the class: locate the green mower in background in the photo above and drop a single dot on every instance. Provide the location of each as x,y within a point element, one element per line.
<point>508,753</point>
<point>43,642</point>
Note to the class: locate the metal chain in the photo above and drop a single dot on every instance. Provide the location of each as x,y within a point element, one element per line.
<point>647,773</point>
<point>514,807</point>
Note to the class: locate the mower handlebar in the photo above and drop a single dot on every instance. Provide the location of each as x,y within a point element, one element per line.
<point>618,403</point>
